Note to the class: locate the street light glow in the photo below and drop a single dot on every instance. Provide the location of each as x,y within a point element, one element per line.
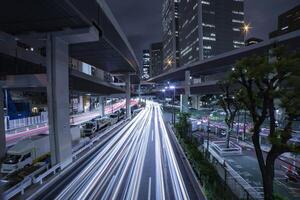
<point>172,87</point>
<point>246,28</point>
<point>163,90</point>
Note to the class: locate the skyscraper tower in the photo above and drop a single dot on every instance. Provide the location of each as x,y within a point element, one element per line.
<point>171,51</point>
<point>209,27</point>
<point>146,65</point>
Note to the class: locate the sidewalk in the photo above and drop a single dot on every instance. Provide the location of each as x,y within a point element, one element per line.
<point>26,132</point>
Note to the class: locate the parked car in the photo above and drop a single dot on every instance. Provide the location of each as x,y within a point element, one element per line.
<point>25,153</point>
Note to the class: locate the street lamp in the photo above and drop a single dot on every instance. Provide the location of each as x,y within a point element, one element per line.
<point>246,28</point>
<point>172,87</point>
<point>164,91</point>
<point>207,141</point>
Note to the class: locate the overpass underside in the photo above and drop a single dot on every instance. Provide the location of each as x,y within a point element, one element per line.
<point>37,41</point>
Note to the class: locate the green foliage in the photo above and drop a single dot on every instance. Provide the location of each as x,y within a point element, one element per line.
<point>182,126</point>
<point>264,84</point>
<point>279,197</point>
<point>212,183</point>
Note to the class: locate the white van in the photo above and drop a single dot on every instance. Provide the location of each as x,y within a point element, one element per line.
<point>25,152</point>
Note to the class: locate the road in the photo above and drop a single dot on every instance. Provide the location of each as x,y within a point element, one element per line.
<point>139,162</point>
<point>11,139</point>
<point>247,167</point>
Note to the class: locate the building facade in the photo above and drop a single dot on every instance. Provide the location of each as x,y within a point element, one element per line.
<point>170,24</point>
<point>287,22</point>
<point>156,55</point>
<point>209,28</point>
<point>146,65</point>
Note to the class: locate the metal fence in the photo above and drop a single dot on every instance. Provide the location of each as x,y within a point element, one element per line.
<point>238,185</point>
<point>25,122</point>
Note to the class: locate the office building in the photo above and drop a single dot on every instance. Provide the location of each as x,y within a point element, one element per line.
<point>146,65</point>
<point>287,22</point>
<point>156,55</point>
<point>209,28</point>
<point>170,23</point>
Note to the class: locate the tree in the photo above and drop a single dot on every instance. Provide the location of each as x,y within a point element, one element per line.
<point>230,105</point>
<point>266,83</point>
<point>183,126</point>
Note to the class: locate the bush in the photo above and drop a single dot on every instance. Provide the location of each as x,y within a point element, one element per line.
<point>278,197</point>
<point>208,176</point>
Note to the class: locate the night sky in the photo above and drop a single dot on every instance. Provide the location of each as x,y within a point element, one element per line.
<point>141,19</point>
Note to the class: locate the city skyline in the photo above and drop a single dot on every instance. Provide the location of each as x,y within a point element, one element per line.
<point>143,26</point>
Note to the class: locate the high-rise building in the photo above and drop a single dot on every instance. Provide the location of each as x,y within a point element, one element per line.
<point>156,55</point>
<point>146,65</point>
<point>170,16</point>
<point>209,28</point>
<point>287,22</point>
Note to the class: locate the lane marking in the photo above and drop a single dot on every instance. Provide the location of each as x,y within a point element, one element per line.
<point>149,189</point>
<point>152,135</point>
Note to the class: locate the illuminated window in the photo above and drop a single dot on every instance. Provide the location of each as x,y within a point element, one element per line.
<point>238,21</point>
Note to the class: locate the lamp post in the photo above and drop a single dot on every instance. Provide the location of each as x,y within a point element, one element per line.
<point>173,106</point>
<point>238,126</point>
<point>208,131</point>
<point>245,119</point>
<point>164,91</point>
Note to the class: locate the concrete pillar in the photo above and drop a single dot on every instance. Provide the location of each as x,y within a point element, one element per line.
<point>139,93</point>
<point>128,96</point>
<point>102,106</point>
<point>2,130</point>
<point>58,101</point>
<point>187,83</point>
<point>80,104</point>
<point>184,99</point>
<point>195,102</point>
<point>184,106</point>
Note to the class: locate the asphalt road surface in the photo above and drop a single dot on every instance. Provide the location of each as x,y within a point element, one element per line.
<point>139,162</point>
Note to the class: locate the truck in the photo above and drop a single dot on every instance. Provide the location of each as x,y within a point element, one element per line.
<point>91,127</point>
<point>121,114</point>
<point>113,119</point>
<point>25,153</point>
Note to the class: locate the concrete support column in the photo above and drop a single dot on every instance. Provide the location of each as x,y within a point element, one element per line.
<point>184,103</point>
<point>195,102</point>
<point>80,104</point>
<point>58,101</point>
<point>184,99</point>
<point>2,130</point>
<point>101,106</point>
<point>139,93</point>
<point>128,96</point>
<point>187,83</point>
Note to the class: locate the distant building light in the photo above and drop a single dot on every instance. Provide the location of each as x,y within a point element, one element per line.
<point>205,2</point>
<point>238,21</point>
<point>209,38</point>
